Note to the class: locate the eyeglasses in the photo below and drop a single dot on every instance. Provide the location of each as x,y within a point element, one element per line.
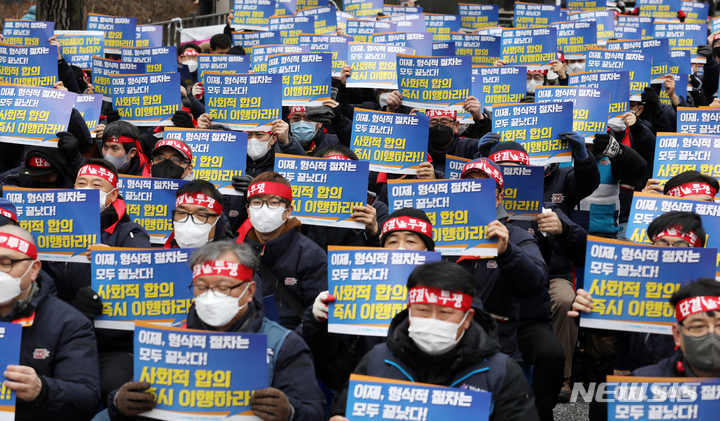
<point>271,203</point>
<point>6,264</point>
<point>197,217</point>
<point>175,160</point>
<point>445,122</point>
<point>701,330</point>
<point>662,243</point>
<point>222,289</point>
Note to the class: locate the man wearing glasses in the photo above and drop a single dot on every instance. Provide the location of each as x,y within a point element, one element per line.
<point>171,158</point>
<point>198,216</point>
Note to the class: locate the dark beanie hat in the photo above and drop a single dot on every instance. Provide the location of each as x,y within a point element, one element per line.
<point>409,219</point>
<point>510,152</point>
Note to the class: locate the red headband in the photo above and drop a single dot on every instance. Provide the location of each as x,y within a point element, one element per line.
<point>341,157</point>
<point>691,188</point>
<point>98,171</point>
<point>38,162</point>
<point>695,305</point>
<point>406,223</point>
<point>439,297</point>
<point>8,214</point>
<point>177,145</point>
<point>510,155</point>
<point>199,199</point>
<point>12,242</point>
<point>189,52</point>
<point>298,109</point>
<point>689,236</point>
<point>222,268</point>
<point>485,167</point>
<point>125,139</point>
<point>270,187</point>
<point>441,113</point>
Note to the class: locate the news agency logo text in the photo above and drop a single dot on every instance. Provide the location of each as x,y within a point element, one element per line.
<point>640,392</point>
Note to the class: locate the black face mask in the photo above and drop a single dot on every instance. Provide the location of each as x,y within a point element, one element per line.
<point>440,136</point>
<point>716,51</point>
<point>167,169</point>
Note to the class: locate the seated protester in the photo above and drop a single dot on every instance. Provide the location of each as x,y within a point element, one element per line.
<point>652,113</point>
<point>444,139</point>
<point>535,78</point>
<point>372,215</point>
<point>292,267</point>
<point>198,216</point>
<point>46,168</point>
<point>687,185</point>
<point>225,301</point>
<point>121,147</point>
<point>220,44</point>
<point>336,356</point>
<point>188,56</point>
<point>517,272</point>
<point>310,134</point>
<point>73,280</point>
<point>171,158</point>
<point>564,68</point>
<point>57,378</point>
<point>435,342</point>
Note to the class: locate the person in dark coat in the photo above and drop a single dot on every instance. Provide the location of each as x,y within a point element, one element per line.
<point>311,135</point>
<point>437,342</point>
<point>57,377</point>
<point>444,139</point>
<point>121,146</point>
<point>47,168</point>
<point>293,393</point>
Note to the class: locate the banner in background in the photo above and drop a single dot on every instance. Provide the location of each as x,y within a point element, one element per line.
<point>79,50</point>
<point>10,338</point>
<point>119,31</point>
<point>28,33</point>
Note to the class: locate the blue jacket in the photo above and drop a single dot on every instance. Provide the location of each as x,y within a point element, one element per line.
<point>476,363</point>
<point>60,345</point>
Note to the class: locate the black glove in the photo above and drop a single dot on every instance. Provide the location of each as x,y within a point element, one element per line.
<point>182,119</point>
<point>487,142</point>
<point>112,116</point>
<point>131,399</point>
<point>651,100</point>
<point>88,303</point>
<point>704,50</point>
<point>241,183</point>
<point>606,145</point>
<point>69,147</point>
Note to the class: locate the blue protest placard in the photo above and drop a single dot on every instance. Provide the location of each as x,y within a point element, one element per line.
<point>618,83</point>
<point>586,4</point>
<point>589,105</point>
<point>31,66</point>
<point>495,31</point>
<point>401,10</point>
<point>78,50</point>
<point>679,152</point>
<point>604,22</point>
<point>523,191</point>
<point>434,82</point>
<point>64,222</point>
<point>680,62</point>
<point>716,25</point>
<point>155,59</point>
<point>384,26</point>
<point>306,78</point>
<point>251,39</point>
<point>700,120</point>
<point>454,166</point>
<point>292,26</point>
<point>392,143</point>
<point>363,8</point>
<point>34,115</point>
<point>682,36</point>
<point>529,47</point>
<point>682,86</point>
<point>695,12</point>
<point>644,23</point>
<point>217,155</point>
<point>335,44</point>
<point>657,48</point>
<point>628,292</point>
<point>529,15</point>
<point>149,203</point>
<point>420,401</point>
<point>342,19</point>
<point>119,31</point>
<point>459,211</point>
<point>198,374</point>
<point>361,30</point>
<point>537,127</point>
<point>28,33</point>
<point>244,102</point>
<point>638,64</point>
<point>407,23</point>
<point>224,63</point>
<point>441,26</point>
<point>421,42</point>
<point>324,190</point>
<point>310,4</point>
<point>103,68</point>
<point>659,9</point>
<point>261,54</point>
<point>478,16</point>
<point>484,49</point>
<point>285,7</point>
<point>502,85</point>
<point>141,284</point>
<point>440,49</point>
<point>325,19</point>
<point>146,99</point>
<point>647,206</point>
<point>10,337</point>
<point>628,32</point>
<point>149,36</point>
<point>369,285</point>
<point>574,38</point>
<point>374,65</point>
<point>253,14</point>
<point>89,107</point>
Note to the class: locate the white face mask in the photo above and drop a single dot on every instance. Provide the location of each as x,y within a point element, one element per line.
<point>218,309</point>
<point>10,286</point>
<point>616,125</point>
<point>192,65</point>
<point>382,99</point>
<point>103,197</point>
<point>531,84</point>
<point>191,235</point>
<point>434,337</point>
<point>576,67</point>
<point>265,219</point>
<point>257,148</point>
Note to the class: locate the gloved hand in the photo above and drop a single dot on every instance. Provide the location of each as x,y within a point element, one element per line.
<point>88,302</point>
<point>651,100</point>
<point>271,404</point>
<point>241,183</point>
<point>704,50</point>
<point>131,400</point>
<point>578,144</point>
<point>321,114</point>
<point>112,116</point>
<point>198,90</point>
<point>608,145</point>
<point>69,147</point>
<point>487,142</point>
<point>182,119</point>
<point>320,306</point>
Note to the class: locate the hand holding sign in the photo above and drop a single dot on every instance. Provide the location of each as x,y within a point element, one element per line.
<point>497,230</point>
<point>582,302</point>
<point>271,404</point>
<point>24,381</point>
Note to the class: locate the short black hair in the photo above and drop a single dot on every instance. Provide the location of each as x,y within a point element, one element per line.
<point>201,186</point>
<point>237,51</point>
<point>122,128</point>
<point>688,221</point>
<point>103,163</point>
<point>337,150</point>
<point>220,41</point>
<point>443,275</point>
<point>181,49</point>
<point>702,287</point>
<point>690,177</point>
